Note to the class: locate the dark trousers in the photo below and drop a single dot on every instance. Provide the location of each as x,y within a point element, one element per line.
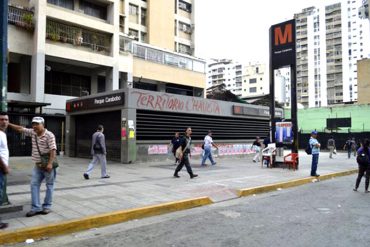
<point>315,160</point>
<point>361,171</point>
<point>184,161</point>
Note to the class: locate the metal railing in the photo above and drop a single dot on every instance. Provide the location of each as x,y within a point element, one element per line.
<point>162,57</point>
<point>77,36</point>
<point>20,17</point>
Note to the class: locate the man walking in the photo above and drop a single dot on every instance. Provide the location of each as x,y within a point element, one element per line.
<point>348,146</point>
<point>4,158</point>
<point>257,147</point>
<point>185,145</point>
<point>315,146</point>
<point>331,146</point>
<point>99,152</point>
<point>208,143</point>
<point>43,141</point>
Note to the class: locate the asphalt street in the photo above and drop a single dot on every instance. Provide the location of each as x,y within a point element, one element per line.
<point>326,213</point>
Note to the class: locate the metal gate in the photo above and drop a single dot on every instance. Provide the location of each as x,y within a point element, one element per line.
<point>87,124</point>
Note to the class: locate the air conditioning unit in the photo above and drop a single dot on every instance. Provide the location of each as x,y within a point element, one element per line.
<point>363,11</point>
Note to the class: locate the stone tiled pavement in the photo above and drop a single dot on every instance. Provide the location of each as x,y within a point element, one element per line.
<point>144,184</point>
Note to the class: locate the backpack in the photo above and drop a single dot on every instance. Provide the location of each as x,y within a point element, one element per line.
<point>363,158</point>
<point>308,149</point>
<point>97,146</point>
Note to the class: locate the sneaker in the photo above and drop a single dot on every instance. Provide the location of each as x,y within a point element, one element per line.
<point>86,176</point>
<point>3,225</point>
<point>32,213</point>
<point>106,176</point>
<point>45,211</point>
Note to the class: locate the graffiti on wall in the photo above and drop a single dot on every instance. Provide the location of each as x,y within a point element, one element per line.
<point>165,102</point>
<point>158,149</point>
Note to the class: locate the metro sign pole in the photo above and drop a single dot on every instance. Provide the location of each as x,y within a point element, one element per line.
<point>282,54</point>
<point>3,55</point>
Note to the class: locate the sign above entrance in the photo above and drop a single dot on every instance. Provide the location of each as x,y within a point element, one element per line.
<point>251,111</point>
<point>283,44</point>
<point>115,99</point>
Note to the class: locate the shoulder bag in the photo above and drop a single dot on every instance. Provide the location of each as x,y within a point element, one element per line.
<point>45,158</point>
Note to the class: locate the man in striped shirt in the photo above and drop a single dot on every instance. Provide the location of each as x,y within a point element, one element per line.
<point>46,144</point>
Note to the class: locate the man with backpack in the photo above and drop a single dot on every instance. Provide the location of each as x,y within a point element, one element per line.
<point>331,146</point>
<point>99,152</point>
<point>363,160</point>
<point>315,147</point>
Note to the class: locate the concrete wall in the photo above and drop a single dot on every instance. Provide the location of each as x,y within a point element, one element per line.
<point>315,118</point>
<point>363,77</point>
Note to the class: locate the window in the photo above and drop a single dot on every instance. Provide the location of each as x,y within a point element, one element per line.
<point>184,49</point>
<point>133,32</point>
<point>185,6</point>
<point>133,9</point>
<point>93,9</point>
<point>252,80</point>
<point>143,37</point>
<point>253,90</point>
<point>143,17</point>
<point>186,28</point>
<point>60,83</point>
<point>68,4</point>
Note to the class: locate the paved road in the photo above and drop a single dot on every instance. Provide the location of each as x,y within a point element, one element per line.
<point>326,213</point>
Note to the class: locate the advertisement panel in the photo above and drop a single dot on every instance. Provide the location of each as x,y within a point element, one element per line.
<point>284,132</point>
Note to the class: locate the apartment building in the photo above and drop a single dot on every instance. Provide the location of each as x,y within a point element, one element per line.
<point>283,87</point>
<point>330,40</point>
<point>255,82</point>
<point>225,71</point>
<point>59,49</point>
<point>62,49</point>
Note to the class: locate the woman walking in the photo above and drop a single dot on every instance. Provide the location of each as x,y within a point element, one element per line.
<point>363,154</point>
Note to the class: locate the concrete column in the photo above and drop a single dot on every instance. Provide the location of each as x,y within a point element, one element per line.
<point>114,15</point>
<point>70,149</point>
<point>112,79</point>
<point>38,56</point>
<point>128,135</point>
<point>94,83</point>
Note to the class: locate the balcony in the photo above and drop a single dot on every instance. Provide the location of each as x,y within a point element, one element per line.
<point>20,17</point>
<point>77,36</point>
<point>162,57</point>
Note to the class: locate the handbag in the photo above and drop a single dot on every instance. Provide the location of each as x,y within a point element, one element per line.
<point>45,158</point>
<point>179,151</point>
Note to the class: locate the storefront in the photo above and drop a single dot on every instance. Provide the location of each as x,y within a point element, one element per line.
<point>139,124</point>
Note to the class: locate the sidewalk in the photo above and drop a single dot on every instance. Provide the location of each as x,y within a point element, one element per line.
<point>138,185</point>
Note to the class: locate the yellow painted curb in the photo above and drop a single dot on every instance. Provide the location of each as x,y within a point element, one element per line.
<point>291,183</point>
<point>65,227</point>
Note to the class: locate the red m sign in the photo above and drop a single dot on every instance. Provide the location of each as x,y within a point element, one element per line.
<point>281,38</point>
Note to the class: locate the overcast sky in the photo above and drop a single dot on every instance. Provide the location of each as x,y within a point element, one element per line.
<point>238,29</point>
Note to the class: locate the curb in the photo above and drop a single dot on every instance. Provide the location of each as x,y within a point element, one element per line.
<point>291,183</point>
<point>65,227</point>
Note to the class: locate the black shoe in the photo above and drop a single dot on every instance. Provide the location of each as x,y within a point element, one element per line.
<point>315,175</point>
<point>86,176</point>
<point>355,189</point>
<point>3,225</point>
<point>45,211</point>
<point>106,176</point>
<point>32,213</point>
<point>176,175</point>
<point>193,175</point>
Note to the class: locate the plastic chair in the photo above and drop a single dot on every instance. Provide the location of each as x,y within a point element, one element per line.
<point>268,154</point>
<point>291,160</point>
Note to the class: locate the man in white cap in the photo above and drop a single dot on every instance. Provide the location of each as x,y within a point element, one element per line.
<point>43,141</point>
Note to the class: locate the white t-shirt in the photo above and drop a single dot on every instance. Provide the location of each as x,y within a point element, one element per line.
<point>4,151</point>
<point>208,141</point>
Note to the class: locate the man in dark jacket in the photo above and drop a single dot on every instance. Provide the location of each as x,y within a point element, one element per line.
<point>99,152</point>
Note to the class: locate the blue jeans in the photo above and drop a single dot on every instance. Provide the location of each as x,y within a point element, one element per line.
<point>103,163</point>
<point>207,154</point>
<point>315,161</point>
<point>2,186</point>
<point>38,175</point>
<point>349,153</point>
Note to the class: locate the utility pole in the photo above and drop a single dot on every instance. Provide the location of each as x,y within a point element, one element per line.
<point>4,55</point>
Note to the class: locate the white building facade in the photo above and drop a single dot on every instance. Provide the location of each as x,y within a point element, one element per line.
<point>330,40</point>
